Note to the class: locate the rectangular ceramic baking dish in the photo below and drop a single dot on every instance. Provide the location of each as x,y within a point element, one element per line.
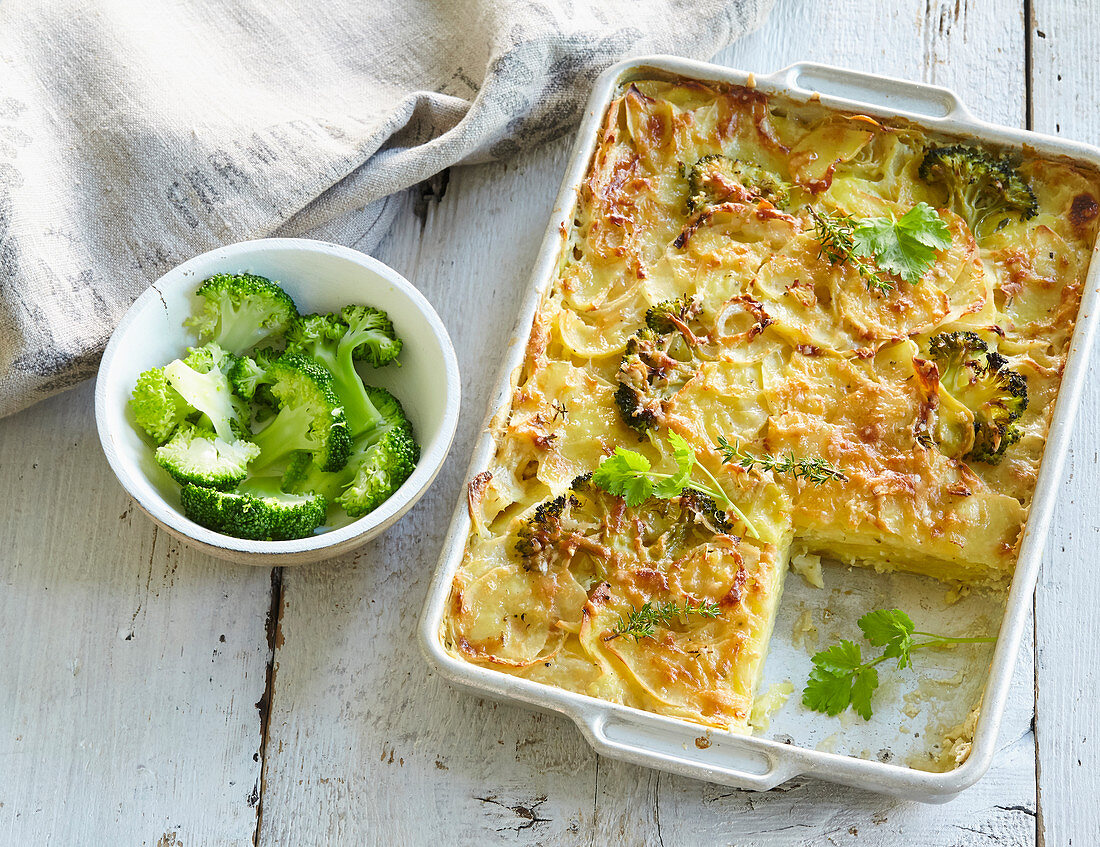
<point>728,758</point>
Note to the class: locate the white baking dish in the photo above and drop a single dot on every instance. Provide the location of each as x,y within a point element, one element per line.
<point>763,762</point>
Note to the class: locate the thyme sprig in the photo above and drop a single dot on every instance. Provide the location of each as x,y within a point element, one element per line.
<point>642,623</point>
<point>815,469</point>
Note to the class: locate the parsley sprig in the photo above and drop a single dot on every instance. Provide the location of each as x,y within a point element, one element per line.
<point>879,247</point>
<point>815,469</point>
<point>642,623</point>
<point>841,678</point>
<point>628,474</point>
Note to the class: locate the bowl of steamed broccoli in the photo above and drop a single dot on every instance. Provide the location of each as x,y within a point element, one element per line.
<point>278,401</point>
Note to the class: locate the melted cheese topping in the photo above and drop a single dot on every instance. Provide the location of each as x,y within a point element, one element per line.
<point>801,358</point>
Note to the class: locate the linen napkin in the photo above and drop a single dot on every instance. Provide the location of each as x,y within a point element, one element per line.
<point>136,134</point>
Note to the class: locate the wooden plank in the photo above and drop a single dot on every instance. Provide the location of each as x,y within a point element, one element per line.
<point>1065,97</point>
<point>132,665</point>
<point>366,744</point>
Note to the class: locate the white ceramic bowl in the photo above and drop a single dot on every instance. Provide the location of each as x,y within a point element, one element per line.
<point>321,278</point>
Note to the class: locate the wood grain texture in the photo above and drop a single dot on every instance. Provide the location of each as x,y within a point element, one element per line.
<point>366,744</point>
<point>1065,86</point>
<point>131,666</point>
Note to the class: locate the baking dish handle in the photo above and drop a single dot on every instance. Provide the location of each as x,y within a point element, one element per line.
<point>717,757</point>
<point>897,95</point>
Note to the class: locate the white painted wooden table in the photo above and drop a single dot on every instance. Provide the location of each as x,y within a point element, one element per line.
<point>152,695</point>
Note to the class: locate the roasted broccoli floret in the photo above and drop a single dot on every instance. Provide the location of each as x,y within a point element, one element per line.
<point>310,417</point>
<point>986,192</point>
<point>241,310</point>
<point>337,342</point>
<point>382,458</point>
<point>200,379</point>
<point>673,315</point>
<point>648,375</point>
<point>990,442</point>
<point>719,179</point>
<point>976,377</point>
<point>537,537</point>
<point>157,407</point>
<point>257,510</point>
<point>706,511</point>
<point>658,361</point>
<point>197,455</point>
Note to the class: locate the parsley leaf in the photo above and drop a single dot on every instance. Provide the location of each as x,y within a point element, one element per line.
<point>829,688</point>
<point>685,461</point>
<point>892,629</point>
<point>840,658</point>
<point>862,689</point>
<point>626,475</point>
<point>906,246</point>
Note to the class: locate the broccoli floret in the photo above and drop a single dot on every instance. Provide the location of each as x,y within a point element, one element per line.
<point>977,378</point>
<point>249,373</point>
<point>673,315</point>
<point>380,469</point>
<point>201,381</point>
<point>297,468</point>
<point>658,361</point>
<point>157,407</point>
<point>199,456</point>
<point>582,482</point>
<point>382,458</point>
<point>719,179</point>
<point>257,510</point>
<point>538,536</point>
<point>980,188</point>
<point>370,335</point>
<point>706,511</point>
<point>631,401</point>
<point>990,443</point>
<point>241,310</point>
<point>643,378</point>
<point>208,357</point>
<point>310,416</point>
<point>337,344</point>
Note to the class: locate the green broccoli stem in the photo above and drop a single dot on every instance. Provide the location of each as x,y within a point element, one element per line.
<point>287,432</point>
<point>208,392</point>
<point>360,411</point>
<point>239,329</point>
<point>361,414</point>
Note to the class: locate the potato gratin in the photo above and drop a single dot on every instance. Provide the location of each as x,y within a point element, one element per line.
<point>740,273</point>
